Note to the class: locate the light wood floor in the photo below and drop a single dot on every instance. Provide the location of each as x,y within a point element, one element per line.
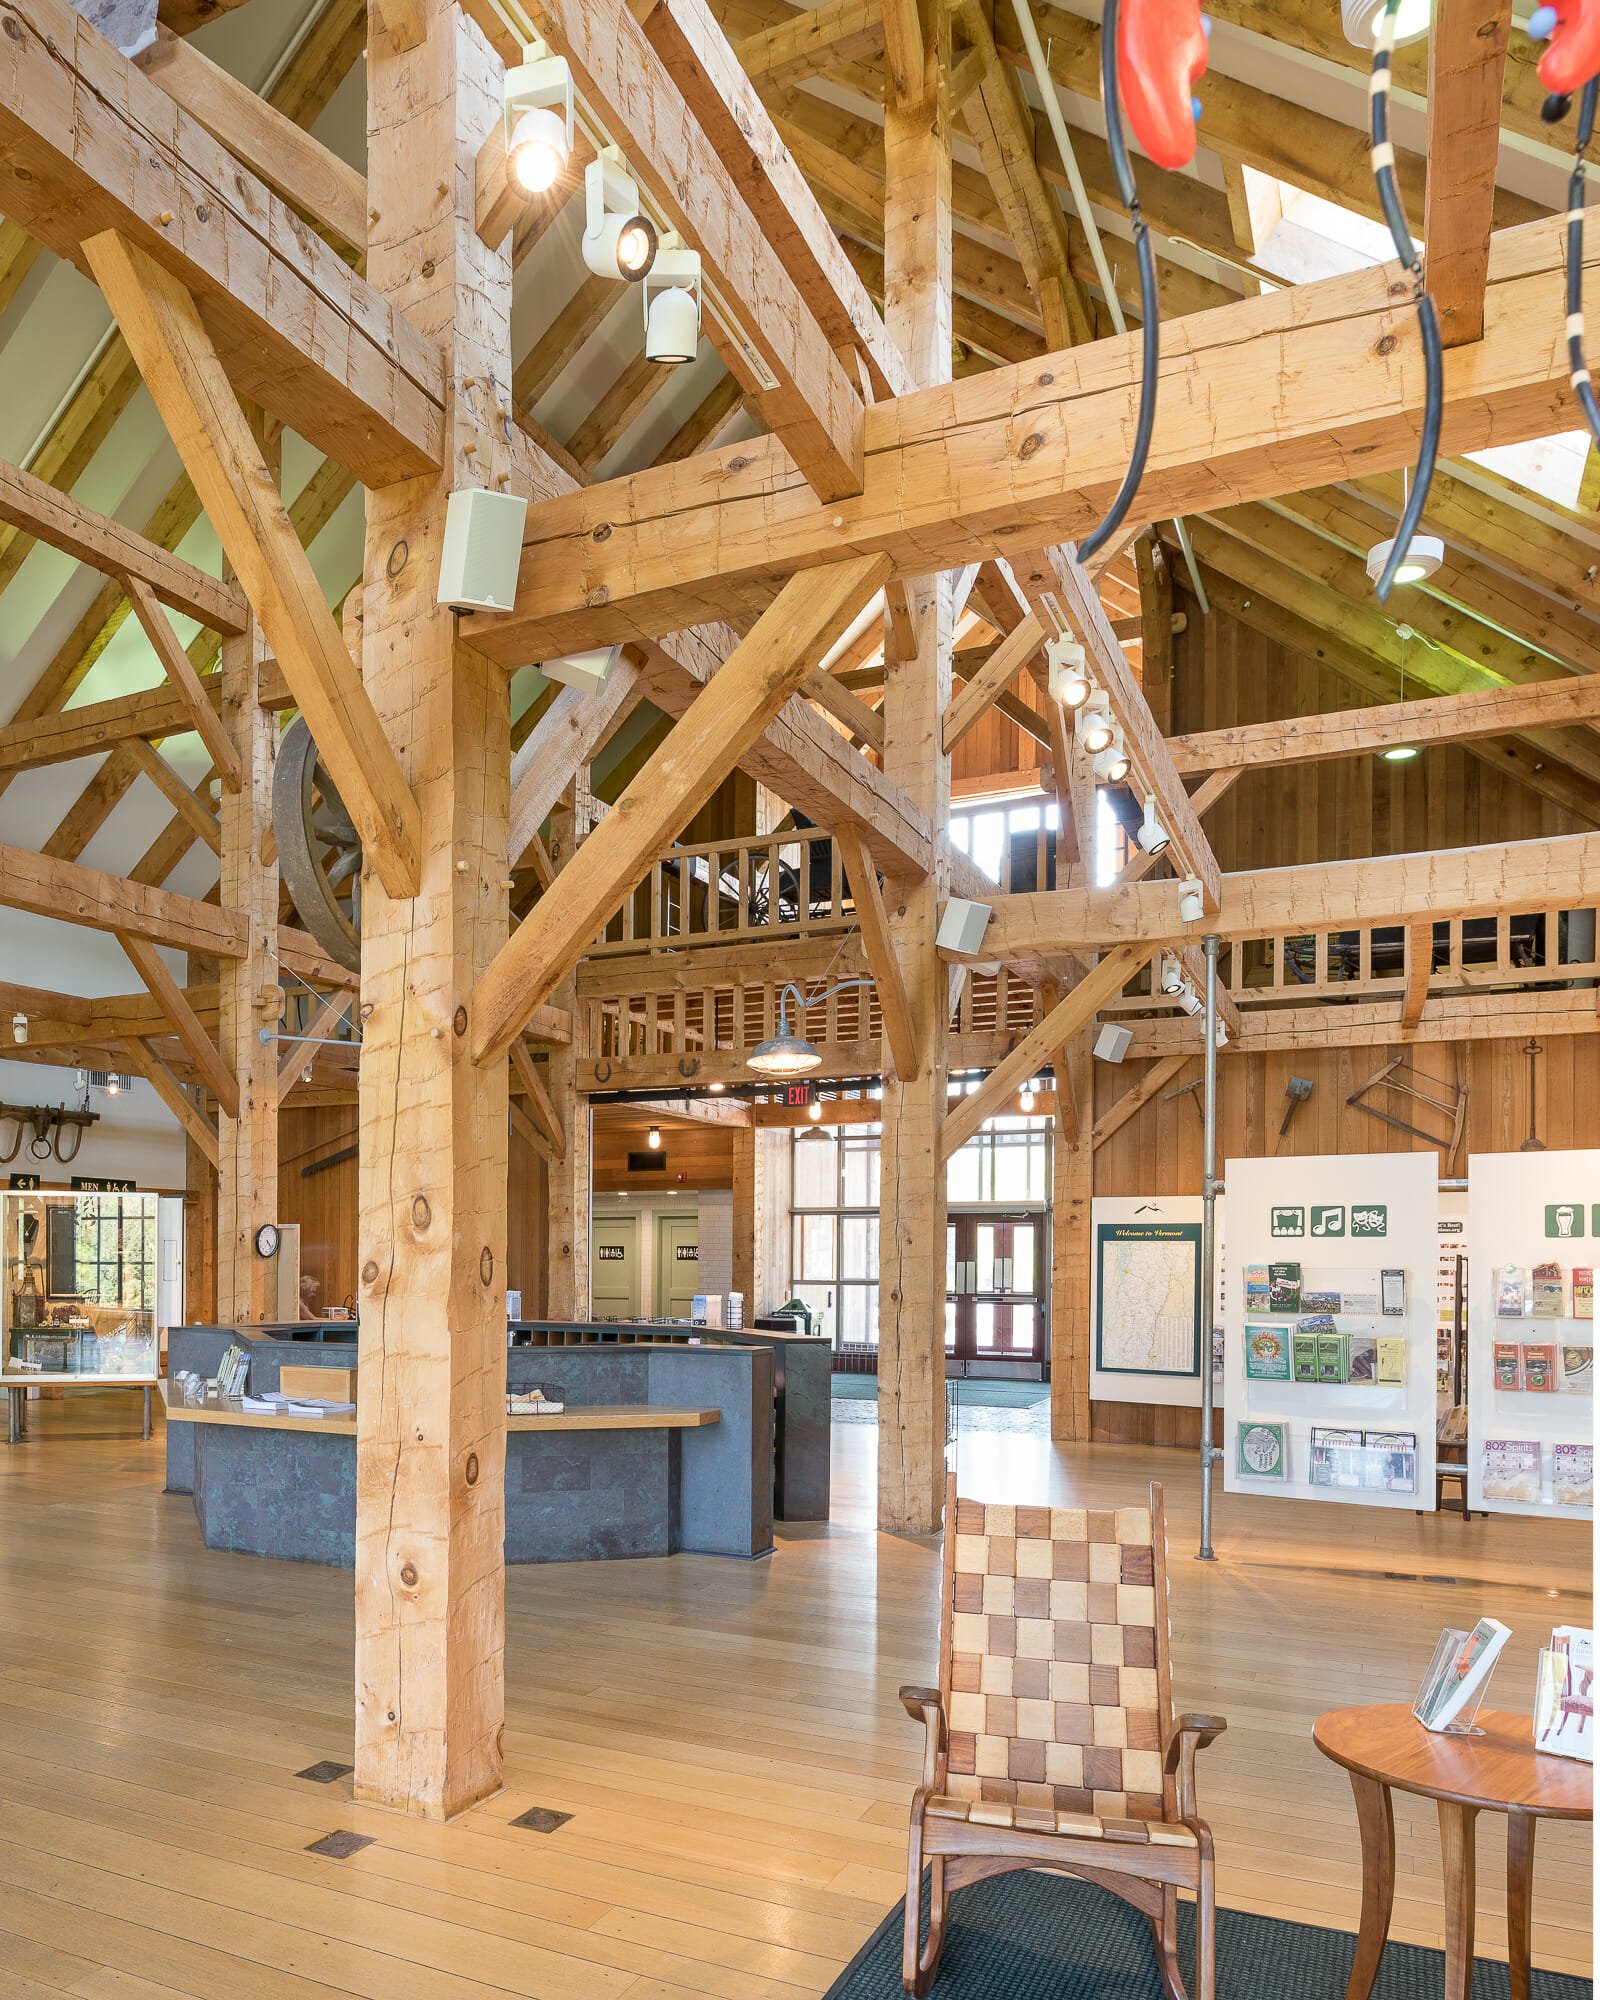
<point>725,1736</point>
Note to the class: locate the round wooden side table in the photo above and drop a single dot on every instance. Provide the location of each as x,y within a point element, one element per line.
<point>1385,1747</point>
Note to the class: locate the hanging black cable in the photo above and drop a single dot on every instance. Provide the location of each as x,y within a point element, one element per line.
<point>1149,296</point>
<point>1582,387</point>
<point>1394,215</point>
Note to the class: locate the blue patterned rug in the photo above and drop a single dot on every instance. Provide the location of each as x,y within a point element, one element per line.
<point>1032,1936</point>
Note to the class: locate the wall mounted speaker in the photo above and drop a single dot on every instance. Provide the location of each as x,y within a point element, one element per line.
<point>1112,1042</point>
<point>587,671</point>
<point>962,925</point>
<point>482,550</point>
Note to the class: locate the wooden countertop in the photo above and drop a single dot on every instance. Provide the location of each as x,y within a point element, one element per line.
<point>590,1417</point>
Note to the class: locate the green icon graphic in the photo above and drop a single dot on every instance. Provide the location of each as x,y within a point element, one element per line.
<point>1563,1218</point>
<point>1370,1219</point>
<point>1327,1221</point>
<point>1288,1222</point>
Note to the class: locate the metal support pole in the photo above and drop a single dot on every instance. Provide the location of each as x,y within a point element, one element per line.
<point>1210,1188</point>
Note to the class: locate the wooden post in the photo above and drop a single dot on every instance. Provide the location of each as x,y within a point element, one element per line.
<point>567,1288</point>
<point>1071,1240</point>
<point>911,1283</point>
<point>430,1497</point>
<point>248,994</point>
<point>762,1228</point>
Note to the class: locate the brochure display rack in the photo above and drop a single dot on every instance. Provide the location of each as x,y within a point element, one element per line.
<point>1534,1225</point>
<point>1330,1367</point>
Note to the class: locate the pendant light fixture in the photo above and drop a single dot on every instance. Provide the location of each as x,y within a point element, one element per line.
<point>786,1053</point>
<point>1401,753</point>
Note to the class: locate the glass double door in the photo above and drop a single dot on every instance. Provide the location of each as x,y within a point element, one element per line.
<point>995,1273</point>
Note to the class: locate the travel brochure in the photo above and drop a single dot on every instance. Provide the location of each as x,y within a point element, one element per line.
<point>1262,1451</point>
<point>1318,1352</point>
<point>1563,1702</point>
<point>1287,1288</point>
<point>1513,1469</point>
<point>1544,1367</point>
<point>1545,1292</point>
<point>1380,1461</point>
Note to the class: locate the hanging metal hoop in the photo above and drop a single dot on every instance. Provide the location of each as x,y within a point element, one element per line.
<point>62,1128</point>
<point>319,849</point>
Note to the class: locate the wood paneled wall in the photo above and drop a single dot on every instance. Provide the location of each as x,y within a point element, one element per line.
<point>1275,817</point>
<point>694,1156</point>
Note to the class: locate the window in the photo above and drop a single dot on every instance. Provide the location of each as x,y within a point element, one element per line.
<point>1014,845</point>
<point>114,1250</point>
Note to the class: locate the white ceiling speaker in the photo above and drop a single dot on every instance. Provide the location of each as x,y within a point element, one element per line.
<point>1191,899</point>
<point>1113,1042</point>
<point>1424,556</point>
<point>482,549</point>
<point>539,114</point>
<point>618,240</point>
<point>1361,18</point>
<point>1067,672</point>
<point>1095,729</point>
<point>1152,836</point>
<point>589,671</point>
<point>672,303</point>
<point>962,925</point>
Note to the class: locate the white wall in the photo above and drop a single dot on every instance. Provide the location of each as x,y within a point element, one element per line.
<point>137,1136</point>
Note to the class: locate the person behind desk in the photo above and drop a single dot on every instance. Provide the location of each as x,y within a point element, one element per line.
<point>310,1289</point>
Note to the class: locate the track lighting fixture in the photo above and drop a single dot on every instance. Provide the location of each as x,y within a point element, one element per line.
<point>19,1027</point>
<point>1171,974</point>
<point>539,113</point>
<point>1067,672</point>
<point>653,1138</point>
<point>1112,766</point>
<point>618,240</point>
<point>1191,899</point>
<point>1189,1000</point>
<point>1152,836</point>
<point>1095,728</point>
<point>672,303</point>
<point>1222,1033</point>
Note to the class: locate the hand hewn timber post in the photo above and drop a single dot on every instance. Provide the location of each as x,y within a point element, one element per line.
<point>430,1505</point>
<point>911,1262</point>
<point>247,988</point>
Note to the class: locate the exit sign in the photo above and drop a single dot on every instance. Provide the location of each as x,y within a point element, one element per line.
<point>797,1095</point>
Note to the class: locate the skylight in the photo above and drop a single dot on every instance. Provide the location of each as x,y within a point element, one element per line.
<point>1551,467</point>
<point>1301,237</point>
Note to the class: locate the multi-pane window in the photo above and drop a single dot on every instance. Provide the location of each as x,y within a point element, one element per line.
<point>114,1250</point>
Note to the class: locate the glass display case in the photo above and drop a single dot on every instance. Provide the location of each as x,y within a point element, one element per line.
<point>78,1286</point>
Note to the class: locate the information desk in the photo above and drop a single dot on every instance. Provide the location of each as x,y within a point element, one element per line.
<point>660,1449</point>
<point>802,1386</point>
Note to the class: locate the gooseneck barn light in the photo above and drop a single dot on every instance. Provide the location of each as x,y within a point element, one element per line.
<point>786,1053</point>
<point>539,115</point>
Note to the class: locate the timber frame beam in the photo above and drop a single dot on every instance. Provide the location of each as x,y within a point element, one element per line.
<point>1255,399</point>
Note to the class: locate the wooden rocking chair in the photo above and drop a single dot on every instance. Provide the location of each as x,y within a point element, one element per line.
<point>1051,1741</point>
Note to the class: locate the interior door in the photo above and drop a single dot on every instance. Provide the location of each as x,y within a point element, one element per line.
<point>677,1265</point>
<point>614,1278</point>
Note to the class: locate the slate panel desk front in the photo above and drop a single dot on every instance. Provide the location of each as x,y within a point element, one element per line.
<point>573,1492</point>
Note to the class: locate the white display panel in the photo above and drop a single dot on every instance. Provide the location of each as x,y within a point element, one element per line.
<point>1524,1210</point>
<point>1344,1219</point>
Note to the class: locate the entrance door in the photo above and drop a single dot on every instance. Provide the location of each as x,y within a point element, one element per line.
<point>994,1278</point>
<point>614,1279</point>
<point>677,1265</point>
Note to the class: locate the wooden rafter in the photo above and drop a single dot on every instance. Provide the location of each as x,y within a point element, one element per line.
<point>104,148</point>
<point>1103,982</point>
<point>1467,48</point>
<point>894,1002</point>
<point>792,637</point>
<point>144,1061</point>
<point>1259,405</point>
<point>208,724</point>
<point>186,1024</point>
<point>185,376</point>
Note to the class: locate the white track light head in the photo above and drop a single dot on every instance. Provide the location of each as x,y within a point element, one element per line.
<point>1112,766</point>
<point>1189,1000</point>
<point>672,304</point>
<point>1171,975</point>
<point>1153,837</point>
<point>539,111</point>
<point>1191,899</point>
<point>19,1027</point>
<point>618,241</point>
<point>1095,728</point>
<point>1068,673</point>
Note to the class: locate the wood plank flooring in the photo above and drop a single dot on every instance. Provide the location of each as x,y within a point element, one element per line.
<point>724,1735</point>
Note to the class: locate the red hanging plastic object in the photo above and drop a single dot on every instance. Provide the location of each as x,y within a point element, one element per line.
<point>1574,52</point>
<point>1161,52</point>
